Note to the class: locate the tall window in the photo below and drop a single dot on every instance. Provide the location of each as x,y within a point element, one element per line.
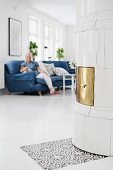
<point>34,34</point>
<point>47,41</point>
<point>52,41</point>
<point>58,39</point>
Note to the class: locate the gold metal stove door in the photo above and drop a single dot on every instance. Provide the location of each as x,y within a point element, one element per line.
<point>85,85</point>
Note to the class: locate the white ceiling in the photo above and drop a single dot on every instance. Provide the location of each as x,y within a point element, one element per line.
<point>62,10</point>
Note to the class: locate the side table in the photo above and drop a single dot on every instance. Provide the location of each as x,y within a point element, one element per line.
<point>68,77</point>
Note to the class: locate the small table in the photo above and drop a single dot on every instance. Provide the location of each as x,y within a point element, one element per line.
<point>68,77</point>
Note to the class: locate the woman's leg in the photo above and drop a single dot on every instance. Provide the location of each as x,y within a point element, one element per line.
<point>47,80</point>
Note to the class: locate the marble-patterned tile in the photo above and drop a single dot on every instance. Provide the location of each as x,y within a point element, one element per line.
<point>57,154</point>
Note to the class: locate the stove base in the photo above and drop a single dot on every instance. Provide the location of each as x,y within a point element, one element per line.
<point>93,129</point>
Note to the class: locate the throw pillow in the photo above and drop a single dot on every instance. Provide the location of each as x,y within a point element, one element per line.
<point>60,71</point>
<point>42,67</point>
<point>50,68</point>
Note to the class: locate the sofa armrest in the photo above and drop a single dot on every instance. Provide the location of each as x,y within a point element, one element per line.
<point>72,71</point>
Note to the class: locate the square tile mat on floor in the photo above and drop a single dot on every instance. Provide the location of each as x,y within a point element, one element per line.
<point>57,154</point>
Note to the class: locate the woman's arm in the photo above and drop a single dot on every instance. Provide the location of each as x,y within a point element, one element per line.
<point>22,69</point>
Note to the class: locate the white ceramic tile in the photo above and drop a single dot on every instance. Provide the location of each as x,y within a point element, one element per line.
<point>108,49</point>
<point>78,131</point>
<point>78,108</point>
<point>97,135</point>
<point>91,53</point>
<point>102,113</point>
<point>111,148</point>
<point>99,56</point>
<point>103,87</point>
<point>87,51</point>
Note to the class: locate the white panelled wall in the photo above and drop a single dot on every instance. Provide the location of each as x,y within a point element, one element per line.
<point>19,11</point>
<point>1,76</point>
<point>12,10</point>
<point>70,42</point>
<point>94,36</point>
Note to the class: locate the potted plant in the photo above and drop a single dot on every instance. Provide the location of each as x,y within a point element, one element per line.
<point>60,53</point>
<point>72,64</point>
<point>33,47</point>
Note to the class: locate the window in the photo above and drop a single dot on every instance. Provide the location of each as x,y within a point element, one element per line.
<point>58,39</point>
<point>52,41</point>
<point>34,34</point>
<point>48,37</point>
<point>47,41</point>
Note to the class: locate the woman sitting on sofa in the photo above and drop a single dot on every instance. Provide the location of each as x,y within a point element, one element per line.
<point>29,65</point>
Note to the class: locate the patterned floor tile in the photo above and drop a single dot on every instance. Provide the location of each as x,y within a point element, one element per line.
<point>57,154</point>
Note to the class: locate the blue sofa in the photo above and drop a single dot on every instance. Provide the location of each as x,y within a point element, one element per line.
<point>27,82</point>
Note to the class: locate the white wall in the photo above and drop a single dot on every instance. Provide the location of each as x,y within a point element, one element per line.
<point>18,11</point>
<point>70,43</point>
<point>11,9</point>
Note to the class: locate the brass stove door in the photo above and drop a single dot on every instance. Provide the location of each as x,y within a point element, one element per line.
<point>85,85</point>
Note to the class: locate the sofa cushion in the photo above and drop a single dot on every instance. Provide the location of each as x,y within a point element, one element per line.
<point>24,76</point>
<point>56,78</point>
<point>50,68</point>
<point>13,67</point>
<point>40,81</point>
<point>62,64</point>
<point>60,71</point>
<point>42,67</point>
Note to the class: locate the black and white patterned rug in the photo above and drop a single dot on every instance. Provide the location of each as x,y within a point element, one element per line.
<point>58,154</point>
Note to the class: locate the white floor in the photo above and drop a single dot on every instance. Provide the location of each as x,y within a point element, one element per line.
<point>32,120</point>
